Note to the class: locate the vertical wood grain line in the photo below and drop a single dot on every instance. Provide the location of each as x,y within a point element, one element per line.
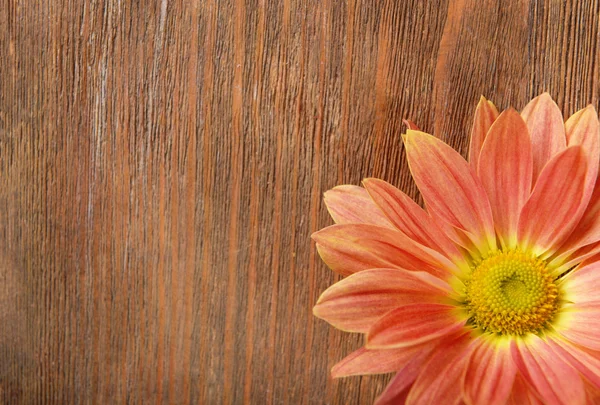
<point>447,44</point>
<point>191,195</point>
<point>381,76</point>
<point>234,198</point>
<point>254,203</point>
<point>174,265</point>
<point>161,291</point>
<point>346,85</point>
<point>316,189</point>
<point>163,206</point>
<point>280,131</point>
<point>207,165</point>
<point>295,179</point>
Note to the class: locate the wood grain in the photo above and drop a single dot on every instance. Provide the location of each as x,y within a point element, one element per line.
<point>162,166</point>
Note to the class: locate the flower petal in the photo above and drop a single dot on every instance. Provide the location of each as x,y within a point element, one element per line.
<point>505,168</point>
<point>490,372</point>
<point>397,390</point>
<point>521,394</point>
<point>355,303</point>
<point>441,378</point>
<point>413,324</point>
<point>449,187</point>
<point>583,129</point>
<point>485,115</point>
<point>547,130</point>
<point>554,380</point>
<point>410,125</point>
<point>582,285</point>
<point>587,254</point>
<point>365,361</point>
<point>588,228</point>
<point>580,323</point>
<point>351,248</point>
<point>546,222</point>
<point>352,205</point>
<point>411,219</point>
<point>395,393</point>
<point>584,361</point>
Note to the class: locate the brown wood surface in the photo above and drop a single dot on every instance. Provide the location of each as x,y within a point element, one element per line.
<point>162,165</point>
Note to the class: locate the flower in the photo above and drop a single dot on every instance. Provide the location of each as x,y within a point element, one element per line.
<point>491,294</point>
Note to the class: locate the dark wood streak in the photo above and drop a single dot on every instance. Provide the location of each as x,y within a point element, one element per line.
<point>162,166</point>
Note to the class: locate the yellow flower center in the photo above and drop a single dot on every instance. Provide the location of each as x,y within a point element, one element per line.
<point>511,293</point>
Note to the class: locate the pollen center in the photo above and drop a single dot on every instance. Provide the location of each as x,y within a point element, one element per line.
<point>511,293</point>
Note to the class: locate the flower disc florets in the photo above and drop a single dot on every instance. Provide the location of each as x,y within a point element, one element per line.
<point>511,293</point>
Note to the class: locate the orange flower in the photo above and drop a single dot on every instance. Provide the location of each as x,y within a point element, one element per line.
<point>490,295</point>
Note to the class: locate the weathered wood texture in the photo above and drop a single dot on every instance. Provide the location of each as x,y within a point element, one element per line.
<point>162,165</point>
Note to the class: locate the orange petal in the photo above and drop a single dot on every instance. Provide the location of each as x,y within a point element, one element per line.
<point>398,389</point>
<point>485,115</point>
<point>413,324</point>
<point>580,323</point>
<point>357,302</point>
<point>490,373</point>
<point>582,284</point>
<point>441,378</point>
<point>549,215</point>
<point>410,125</point>
<point>583,129</point>
<point>521,394</point>
<point>505,166</point>
<point>584,361</point>
<point>395,393</point>
<point>351,248</point>
<point>411,219</point>
<point>352,205</point>
<point>547,130</point>
<point>451,191</point>
<point>564,262</point>
<point>555,381</point>
<point>588,228</point>
<point>364,361</point>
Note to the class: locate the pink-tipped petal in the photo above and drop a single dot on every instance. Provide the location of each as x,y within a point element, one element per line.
<point>505,169</point>
<point>545,123</point>
<point>410,125</point>
<point>450,189</point>
<point>555,381</point>
<point>580,323</point>
<point>490,373</point>
<point>550,214</point>
<point>352,205</point>
<point>414,324</point>
<point>411,219</point>
<point>364,361</point>
<point>358,301</point>
<point>351,248</point>
<point>441,378</point>
<point>485,115</point>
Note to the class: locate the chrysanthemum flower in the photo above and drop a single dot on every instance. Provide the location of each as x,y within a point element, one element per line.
<point>491,294</point>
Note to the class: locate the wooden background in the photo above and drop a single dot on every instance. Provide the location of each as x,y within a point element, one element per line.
<point>162,165</point>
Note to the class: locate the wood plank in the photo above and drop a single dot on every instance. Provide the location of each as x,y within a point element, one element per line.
<point>162,166</point>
